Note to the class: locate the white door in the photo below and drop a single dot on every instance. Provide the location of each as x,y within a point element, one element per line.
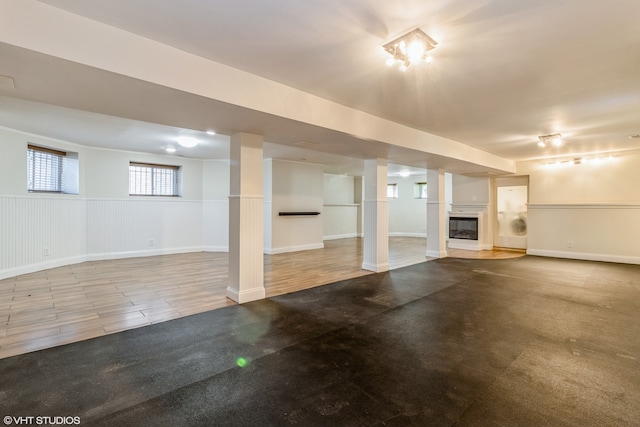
<point>512,196</point>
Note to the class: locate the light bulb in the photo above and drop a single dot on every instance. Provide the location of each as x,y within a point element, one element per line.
<point>416,50</point>
<point>390,62</point>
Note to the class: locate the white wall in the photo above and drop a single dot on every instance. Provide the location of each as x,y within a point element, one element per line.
<point>407,215</point>
<point>585,211</point>
<point>39,231</point>
<point>215,205</point>
<point>341,209</point>
<point>292,187</point>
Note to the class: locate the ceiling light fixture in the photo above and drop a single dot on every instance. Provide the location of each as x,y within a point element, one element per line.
<point>411,47</point>
<point>554,139</point>
<point>170,149</point>
<point>187,141</point>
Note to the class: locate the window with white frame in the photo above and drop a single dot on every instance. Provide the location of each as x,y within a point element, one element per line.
<point>51,171</point>
<point>392,191</point>
<point>146,179</point>
<point>419,190</point>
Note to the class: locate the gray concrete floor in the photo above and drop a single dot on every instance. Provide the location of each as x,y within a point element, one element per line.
<point>522,342</point>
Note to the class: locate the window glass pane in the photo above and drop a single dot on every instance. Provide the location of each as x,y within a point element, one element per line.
<point>44,171</point>
<point>152,180</point>
<point>392,191</point>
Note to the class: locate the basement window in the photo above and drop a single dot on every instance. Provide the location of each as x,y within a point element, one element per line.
<point>51,171</point>
<point>146,179</point>
<point>392,191</point>
<point>419,190</point>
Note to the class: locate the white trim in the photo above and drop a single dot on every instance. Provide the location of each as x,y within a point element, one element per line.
<point>469,245</point>
<point>284,249</point>
<point>215,249</point>
<point>342,204</point>
<point>585,256</point>
<point>616,205</point>
<point>469,205</point>
<point>138,254</point>
<point>376,268</point>
<point>401,234</point>
<point>33,268</point>
<point>61,262</point>
<point>247,295</point>
<point>340,236</point>
<point>436,254</point>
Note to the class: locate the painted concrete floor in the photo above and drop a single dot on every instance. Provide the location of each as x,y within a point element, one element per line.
<point>521,342</point>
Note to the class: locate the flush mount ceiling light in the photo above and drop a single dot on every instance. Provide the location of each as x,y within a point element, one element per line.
<point>554,139</point>
<point>187,141</point>
<point>409,48</point>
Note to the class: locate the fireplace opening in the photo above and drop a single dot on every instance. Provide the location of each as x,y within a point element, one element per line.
<point>463,228</point>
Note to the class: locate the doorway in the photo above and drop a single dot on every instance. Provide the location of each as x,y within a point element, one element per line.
<point>512,196</point>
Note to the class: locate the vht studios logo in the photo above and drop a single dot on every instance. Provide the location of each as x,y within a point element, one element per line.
<point>40,421</point>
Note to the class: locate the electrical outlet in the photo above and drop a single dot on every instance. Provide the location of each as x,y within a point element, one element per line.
<point>570,244</point>
<point>151,242</point>
<point>45,251</point>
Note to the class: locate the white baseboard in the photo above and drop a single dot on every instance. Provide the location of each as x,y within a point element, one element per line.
<point>248,295</point>
<point>400,234</point>
<point>436,254</point>
<point>138,254</point>
<point>284,249</point>
<point>341,236</point>
<point>377,268</point>
<point>623,259</point>
<point>32,268</point>
<point>215,249</point>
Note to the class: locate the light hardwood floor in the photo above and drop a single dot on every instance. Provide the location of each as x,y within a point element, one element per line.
<point>91,299</point>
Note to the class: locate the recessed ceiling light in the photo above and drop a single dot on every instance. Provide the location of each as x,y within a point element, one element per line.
<point>187,141</point>
<point>170,149</point>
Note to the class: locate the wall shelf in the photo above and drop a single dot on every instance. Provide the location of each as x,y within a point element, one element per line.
<point>298,213</point>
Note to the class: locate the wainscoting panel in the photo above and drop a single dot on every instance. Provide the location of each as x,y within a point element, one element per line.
<point>37,233</point>
<point>121,228</point>
<point>593,231</point>
<point>40,232</point>
<point>215,225</point>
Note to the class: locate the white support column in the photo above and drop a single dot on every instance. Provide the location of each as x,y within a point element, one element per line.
<point>436,214</point>
<point>246,221</point>
<point>376,216</point>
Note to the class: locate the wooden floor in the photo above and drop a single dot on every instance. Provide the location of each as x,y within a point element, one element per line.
<point>91,299</point>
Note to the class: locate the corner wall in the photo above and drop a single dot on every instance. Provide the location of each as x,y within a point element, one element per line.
<point>585,211</point>
<point>44,230</point>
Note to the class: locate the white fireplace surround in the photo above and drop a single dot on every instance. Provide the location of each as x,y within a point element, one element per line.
<point>473,245</point>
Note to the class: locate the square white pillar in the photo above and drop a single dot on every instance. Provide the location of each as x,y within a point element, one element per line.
<point>246,220</point>
<point>376,216</point>
<point>436,214</point>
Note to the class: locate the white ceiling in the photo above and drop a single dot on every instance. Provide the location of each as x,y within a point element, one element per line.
<point>505,72</point>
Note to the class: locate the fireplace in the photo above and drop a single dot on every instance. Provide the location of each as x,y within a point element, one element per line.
<point>463,228</point>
